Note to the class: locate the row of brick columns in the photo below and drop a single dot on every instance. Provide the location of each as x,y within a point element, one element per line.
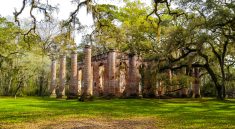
<point>74,89</point>
<point>59,90</point>
<point>112,87</point>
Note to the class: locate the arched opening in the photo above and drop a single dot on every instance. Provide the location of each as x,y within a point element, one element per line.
<point>80,82</point>
<point>122,77</point>
<point>101,79</point>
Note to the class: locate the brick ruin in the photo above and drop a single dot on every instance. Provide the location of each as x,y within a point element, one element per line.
<point>110,74</point>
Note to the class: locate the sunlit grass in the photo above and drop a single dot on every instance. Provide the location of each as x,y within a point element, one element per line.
<point>171,113</point>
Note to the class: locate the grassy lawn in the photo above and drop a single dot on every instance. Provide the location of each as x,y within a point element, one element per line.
<point>36,112</point>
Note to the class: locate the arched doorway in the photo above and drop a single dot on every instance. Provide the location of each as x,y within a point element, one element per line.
<point>122,77</point>
<point>80,82</point>
<point>101,79</point>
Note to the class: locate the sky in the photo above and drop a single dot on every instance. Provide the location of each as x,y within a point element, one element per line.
<point>7,8</point>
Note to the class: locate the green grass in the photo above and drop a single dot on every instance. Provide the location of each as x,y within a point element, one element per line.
<point>171,113</point>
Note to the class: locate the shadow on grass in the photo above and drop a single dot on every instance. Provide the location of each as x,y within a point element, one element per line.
<point>183,111</point>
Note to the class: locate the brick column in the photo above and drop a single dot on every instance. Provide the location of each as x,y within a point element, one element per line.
<point>111,72</point>
<point>62,75</point>
<point>196,83</point>
<point>53,77</point>
<point>133,77</point>
<point>106,79</point>
<point>184,91</point>
<point>96,82</point>
<point>170,87</point>
<point>73,87</point>
<point>87,72</point>
<point>161,89</point>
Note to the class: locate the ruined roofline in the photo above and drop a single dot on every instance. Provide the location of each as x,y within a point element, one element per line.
<point>104,56</point>
<point>121,56</point>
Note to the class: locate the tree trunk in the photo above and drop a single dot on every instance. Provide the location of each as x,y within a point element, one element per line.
<point>18,87</point>
<point>9,86</point>
<point>215,80</point>
<point>196,83</point>
<point>219,92</point>
<point>224,93</point>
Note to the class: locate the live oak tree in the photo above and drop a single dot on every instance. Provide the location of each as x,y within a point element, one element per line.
<point>206,39</point>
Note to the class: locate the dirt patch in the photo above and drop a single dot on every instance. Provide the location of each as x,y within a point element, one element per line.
<point>92,123</point>
<point>102,124</point>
